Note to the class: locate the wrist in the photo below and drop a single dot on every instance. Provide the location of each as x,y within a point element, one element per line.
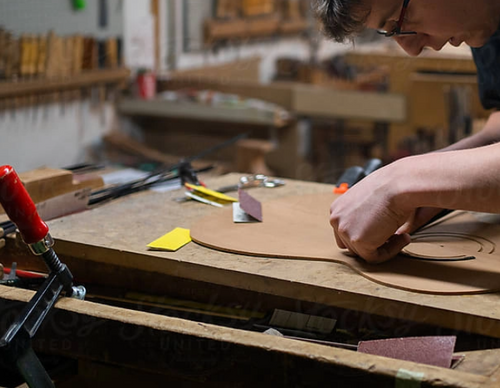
<point>412,185</point>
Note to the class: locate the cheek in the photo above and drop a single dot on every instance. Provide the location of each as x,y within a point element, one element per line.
<point>451,21</point>
<point>437,26</point>
<point>435,18</point>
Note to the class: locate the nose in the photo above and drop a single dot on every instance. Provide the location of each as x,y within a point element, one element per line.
<point>412,44</point>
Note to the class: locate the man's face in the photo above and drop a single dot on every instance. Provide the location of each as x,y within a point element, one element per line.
<point>437,22</point>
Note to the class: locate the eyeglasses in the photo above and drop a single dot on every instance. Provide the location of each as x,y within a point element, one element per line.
<point>396,31</point>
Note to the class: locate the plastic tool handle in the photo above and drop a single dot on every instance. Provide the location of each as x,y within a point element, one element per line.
<point>20,208</point>
<point>372,165</point>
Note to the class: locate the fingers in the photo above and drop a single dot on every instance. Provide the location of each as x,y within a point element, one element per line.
<point>391,248</point>
<point>374,238</point>
<point>339,241</point>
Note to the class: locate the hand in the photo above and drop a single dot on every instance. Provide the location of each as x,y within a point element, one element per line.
<point>366,219</point>
<point>418,218</point>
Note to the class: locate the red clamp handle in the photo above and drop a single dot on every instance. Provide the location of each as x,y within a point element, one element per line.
<point>20,208</point>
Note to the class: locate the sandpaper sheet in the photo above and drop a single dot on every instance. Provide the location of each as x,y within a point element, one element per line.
<point>298,228</point>
<point>437,351</point>
<point>250,205</point>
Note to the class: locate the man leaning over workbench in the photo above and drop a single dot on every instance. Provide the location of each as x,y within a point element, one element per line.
<point>374,218</point>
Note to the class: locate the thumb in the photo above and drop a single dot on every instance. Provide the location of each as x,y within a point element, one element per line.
<point>410,224</point>
<point>406,228</point>
<point>418,218</point>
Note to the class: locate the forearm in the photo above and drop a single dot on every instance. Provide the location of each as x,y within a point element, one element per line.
<point>488,135</point>
<point>466,179</point>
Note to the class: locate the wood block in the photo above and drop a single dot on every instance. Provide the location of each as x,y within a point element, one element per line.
<point>24,55</point>
<point>251,156</point>
<point>293,9</point>
<point>293,26</point>
<point>257,7</point>
<point>77,54</point>
<point>2,52</point>
<point>45,183</point>
<point>89,60</point>
<point>111,53</point>
<point>215,30</point>
<point>263,26</point>
<point>41,62</point>
<point>227,9</point>
<point>483,362</point>
<point>12,56</point>
<point>55,52</point>
<point>67,56</point>
<point>33,55</point>
<point>242,70</point>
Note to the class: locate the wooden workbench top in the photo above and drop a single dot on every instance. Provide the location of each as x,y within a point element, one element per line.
<point>117,233</point>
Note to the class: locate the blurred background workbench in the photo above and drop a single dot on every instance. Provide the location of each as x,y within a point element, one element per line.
<point>426,81</point>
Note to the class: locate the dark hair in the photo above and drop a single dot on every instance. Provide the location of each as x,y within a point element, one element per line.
<point>341,19</point>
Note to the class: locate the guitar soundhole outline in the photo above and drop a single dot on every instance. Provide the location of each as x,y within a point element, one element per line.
<point>439,246</point>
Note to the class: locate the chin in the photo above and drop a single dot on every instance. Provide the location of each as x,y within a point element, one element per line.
<point>476,43</point>
<point>480,40</point>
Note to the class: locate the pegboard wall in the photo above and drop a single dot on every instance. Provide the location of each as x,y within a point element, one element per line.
<point>40,16</point>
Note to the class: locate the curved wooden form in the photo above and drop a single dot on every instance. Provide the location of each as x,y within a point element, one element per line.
<point>298,228</point>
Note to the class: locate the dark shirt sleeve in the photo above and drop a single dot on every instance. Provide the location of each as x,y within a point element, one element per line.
<point>487,59</point>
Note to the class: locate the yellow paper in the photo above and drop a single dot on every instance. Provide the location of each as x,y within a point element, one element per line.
<point>172,241</point>
<point>211,193</point>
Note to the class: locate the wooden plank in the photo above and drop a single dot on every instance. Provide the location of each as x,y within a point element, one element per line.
<point>215,30</point>
<point>155,12</point>
<point>45,183</point>
<point>279,93</point>
<point>88,78</point>
<point>201,112</point>
<point>345,104</point>
<point>244,70</point>
<point>293,26</point>
<point>167,345</point>
<point>252,8</point>
<point>102,235</point>
<point>226,9</point>
<point>484,362</point>
<point>308,100</point>
<point>259,27</point>
<point>262,26</point>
